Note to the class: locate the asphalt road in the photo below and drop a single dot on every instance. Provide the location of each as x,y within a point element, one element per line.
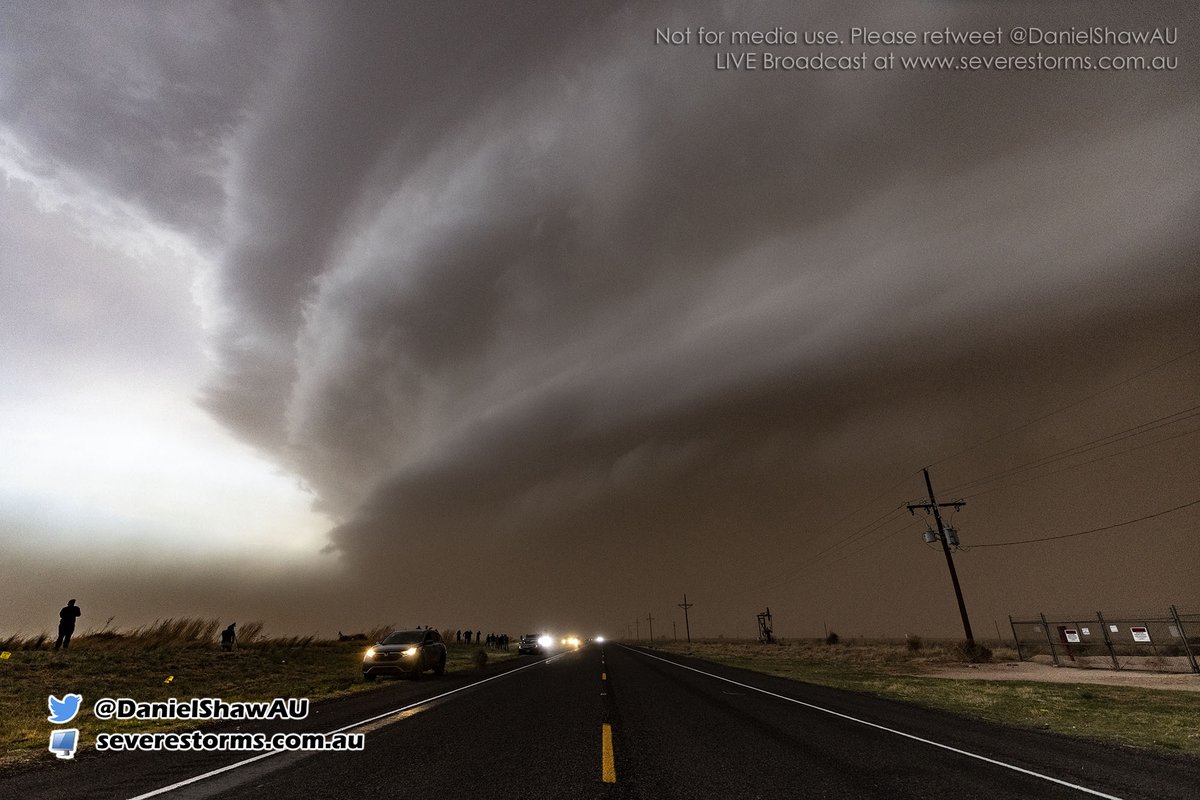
<point>623,723</point>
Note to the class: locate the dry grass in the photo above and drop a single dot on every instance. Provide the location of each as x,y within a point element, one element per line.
<point>883,655</point>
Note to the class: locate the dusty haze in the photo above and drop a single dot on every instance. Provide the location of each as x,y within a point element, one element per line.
<point>512,318</point>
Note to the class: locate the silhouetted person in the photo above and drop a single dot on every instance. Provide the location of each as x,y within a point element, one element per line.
<point>229,637</point>
<point>478,637</point>
<point>458,635</point>
<point>66,624</point>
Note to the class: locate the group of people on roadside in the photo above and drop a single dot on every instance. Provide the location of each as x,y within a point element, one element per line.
<point>496,641</point>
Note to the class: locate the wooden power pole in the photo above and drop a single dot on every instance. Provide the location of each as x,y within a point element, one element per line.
<point>934,506</point>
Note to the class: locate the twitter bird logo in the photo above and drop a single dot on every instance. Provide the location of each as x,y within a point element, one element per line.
<point>64,710</point>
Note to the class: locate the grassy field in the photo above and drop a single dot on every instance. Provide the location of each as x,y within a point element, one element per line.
<point>1151,718</point>
<point>180,659</point>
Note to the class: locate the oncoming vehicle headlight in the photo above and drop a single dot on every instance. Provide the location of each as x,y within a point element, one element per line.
<point>412,651</point>
<point>370,653</point>
<point>545,641</point>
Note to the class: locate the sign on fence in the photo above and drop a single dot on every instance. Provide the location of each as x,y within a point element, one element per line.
<point>1169,641</point>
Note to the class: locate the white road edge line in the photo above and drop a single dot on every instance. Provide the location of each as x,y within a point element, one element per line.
<point>885,728</point>
<point>261,756</point>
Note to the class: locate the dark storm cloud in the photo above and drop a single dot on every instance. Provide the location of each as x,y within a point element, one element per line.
<point>496,281</point>
<point>139,99</point>
<point>373,90</point>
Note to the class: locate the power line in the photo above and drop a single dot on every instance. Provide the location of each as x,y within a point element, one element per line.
<point>834,550</point>
<point>1093,530</point>
<point>1080,401</point>
<point>791,573</point>
<point>858,532</point>
<point>881,495</point>
<point>1103,441</point>
<point>1038,477</point>
<point>908,523</point>
<point>811,567</point>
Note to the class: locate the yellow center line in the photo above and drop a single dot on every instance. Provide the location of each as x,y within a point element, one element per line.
<point>603,676</point>
<point>608,770</point>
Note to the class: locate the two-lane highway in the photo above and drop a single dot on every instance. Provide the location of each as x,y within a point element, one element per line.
<point>618,722</point>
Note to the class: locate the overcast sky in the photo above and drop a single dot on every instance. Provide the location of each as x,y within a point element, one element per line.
<point>467,314</point>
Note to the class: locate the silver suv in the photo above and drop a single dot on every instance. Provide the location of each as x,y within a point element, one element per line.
<point>406,653</point>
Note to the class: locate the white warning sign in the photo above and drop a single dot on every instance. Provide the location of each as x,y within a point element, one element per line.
<point>1140,634</point>
<point>1072,635</point>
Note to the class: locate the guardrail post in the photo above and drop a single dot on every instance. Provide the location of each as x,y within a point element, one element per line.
<point>1046,628</point>
<point>1107,641</point>
<point>1183,635</point>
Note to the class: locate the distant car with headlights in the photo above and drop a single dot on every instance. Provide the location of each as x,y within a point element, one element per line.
<point>533,644</point>
<point>406,653</point>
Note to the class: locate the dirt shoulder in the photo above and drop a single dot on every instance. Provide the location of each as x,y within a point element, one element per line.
<point>1048,673</point>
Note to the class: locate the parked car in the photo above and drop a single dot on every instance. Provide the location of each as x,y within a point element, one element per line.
<point>406,653</point>
<point>533,643</point>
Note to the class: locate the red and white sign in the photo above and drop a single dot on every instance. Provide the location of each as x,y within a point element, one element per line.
<point>1140,634</point>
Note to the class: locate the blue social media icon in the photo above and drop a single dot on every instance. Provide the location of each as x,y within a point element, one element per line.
<point>64,742</point>
<point>63,710</point>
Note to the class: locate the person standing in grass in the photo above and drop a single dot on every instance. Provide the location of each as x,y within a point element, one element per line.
<point>66,624</point>
<point>229,637</point>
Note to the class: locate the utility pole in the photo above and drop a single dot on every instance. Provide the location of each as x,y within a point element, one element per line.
<point>638,627</point>
<point>674,632</point>
<point>685,605</point>
<point>650,617</point>
<point>934,506</point>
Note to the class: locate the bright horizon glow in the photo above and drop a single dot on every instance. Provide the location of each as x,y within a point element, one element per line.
<point>105,446</point>
<point>159,464</point>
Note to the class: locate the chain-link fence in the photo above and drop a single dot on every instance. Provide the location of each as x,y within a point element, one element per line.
<point>1167,642</point>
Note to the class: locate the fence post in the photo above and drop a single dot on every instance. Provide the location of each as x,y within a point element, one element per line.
<point>1046,628</point>
<point>1016,638</point>
<point>1107,641</point>
<point>1183,635</point>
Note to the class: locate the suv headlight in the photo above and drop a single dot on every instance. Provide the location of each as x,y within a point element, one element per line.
<point>370,654</point>
<point>412,651</point>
